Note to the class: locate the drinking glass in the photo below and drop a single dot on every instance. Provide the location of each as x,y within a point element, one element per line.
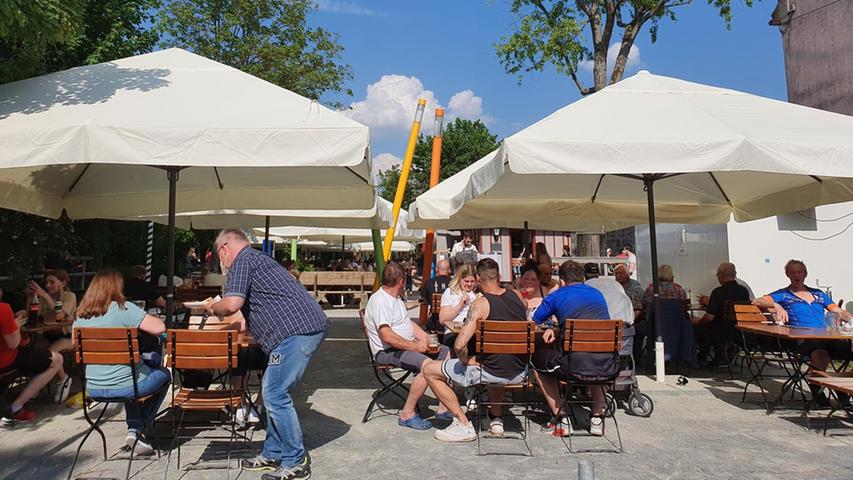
<point>831,320</point>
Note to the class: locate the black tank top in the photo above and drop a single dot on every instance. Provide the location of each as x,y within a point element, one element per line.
<point>507,306</point>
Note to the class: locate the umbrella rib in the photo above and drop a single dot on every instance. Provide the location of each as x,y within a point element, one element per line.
<point>76,180</point>
<point>723,192</point>
<point>218,180</point>
<point>357,175</point>
<point>816,178</point>
<point>600,179</point>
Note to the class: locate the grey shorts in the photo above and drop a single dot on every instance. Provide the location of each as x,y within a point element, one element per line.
<point>466,375</point>
<point>406,359</point>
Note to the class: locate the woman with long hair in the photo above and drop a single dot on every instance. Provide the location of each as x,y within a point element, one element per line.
<point>104,306</point>
<point>458,297</point>
<point>529,287</point>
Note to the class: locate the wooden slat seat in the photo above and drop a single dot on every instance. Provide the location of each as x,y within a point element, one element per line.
<point>211,400</point>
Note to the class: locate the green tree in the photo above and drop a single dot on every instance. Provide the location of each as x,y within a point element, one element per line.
<point>269,39</point>
<point>551,32</point>
<point>463,143</point>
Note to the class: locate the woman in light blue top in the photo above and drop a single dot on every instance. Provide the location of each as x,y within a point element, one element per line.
<point>104,306</point>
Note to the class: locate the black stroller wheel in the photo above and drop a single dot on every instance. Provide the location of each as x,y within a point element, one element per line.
<point>641,405</point>
<point>609,405</point>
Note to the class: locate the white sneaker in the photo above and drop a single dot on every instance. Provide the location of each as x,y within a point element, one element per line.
<point>142,445</point>
<point>558,427</point>
<point>62,390</point>
<point>496,426</point>
<point>456,432</point>
<point>596,426</point>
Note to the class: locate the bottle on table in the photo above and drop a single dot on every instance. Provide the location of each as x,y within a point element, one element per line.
<point>33,316</point>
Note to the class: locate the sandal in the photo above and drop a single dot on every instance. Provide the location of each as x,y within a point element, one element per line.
<point>416,423</point>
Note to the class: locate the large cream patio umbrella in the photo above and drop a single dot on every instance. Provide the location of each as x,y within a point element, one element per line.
<point>653,148</point>
<point>171,132</point>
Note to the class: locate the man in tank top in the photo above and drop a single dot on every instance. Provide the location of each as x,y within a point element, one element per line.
<point>496,304</point>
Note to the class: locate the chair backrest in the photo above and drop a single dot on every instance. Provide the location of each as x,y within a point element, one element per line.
<point>106,346</point>
<point>513,337</point>
<point>366,336</point>
<point>593,336</point>
<point>436,303</point>
<point>202,349</point>
<point>747,313</point>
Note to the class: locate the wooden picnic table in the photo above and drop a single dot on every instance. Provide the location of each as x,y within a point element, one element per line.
<point>793,336</point>
<point>45,327</point>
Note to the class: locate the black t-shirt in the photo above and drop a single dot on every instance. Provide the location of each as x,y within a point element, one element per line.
<point>437,284</point>
<point>728,292</point>
<point>138,289</point>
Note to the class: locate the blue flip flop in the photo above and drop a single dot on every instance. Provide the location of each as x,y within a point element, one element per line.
<point>444,416</point>
<point>416,423</point>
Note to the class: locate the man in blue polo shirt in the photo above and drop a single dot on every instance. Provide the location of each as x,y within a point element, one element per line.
<point>573,300</point>
<point>289,325</point>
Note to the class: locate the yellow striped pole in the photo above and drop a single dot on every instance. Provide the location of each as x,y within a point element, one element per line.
<point>404,176</point>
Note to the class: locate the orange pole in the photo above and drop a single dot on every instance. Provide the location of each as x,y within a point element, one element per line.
<point>434,176</point>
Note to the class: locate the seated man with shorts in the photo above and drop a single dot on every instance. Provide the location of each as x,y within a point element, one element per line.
<point>396,340</point>
<point>496,304</point>
<point>573,300</point>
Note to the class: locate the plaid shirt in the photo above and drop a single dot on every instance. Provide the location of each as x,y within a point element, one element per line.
<point>667,290</point>
<point>276,306</point>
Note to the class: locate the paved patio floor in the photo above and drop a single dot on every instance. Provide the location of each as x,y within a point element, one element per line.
<point>700,430</point>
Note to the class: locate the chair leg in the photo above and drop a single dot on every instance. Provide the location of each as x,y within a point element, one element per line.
<point>93,427</point>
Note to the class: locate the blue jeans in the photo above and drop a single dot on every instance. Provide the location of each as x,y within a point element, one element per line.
<point>139,416</point>
<point>286,365</point>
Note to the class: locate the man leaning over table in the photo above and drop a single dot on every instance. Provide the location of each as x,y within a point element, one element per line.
<point>289,326</point>
<point>496,303</point>
<point>397,340</point>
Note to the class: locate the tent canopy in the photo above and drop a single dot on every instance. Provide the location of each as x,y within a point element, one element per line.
<point>714,152</point>
<point>85,140</point>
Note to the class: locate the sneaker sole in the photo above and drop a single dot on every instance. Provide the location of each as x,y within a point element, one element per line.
<point>265,468</point>
<point>455,440</point>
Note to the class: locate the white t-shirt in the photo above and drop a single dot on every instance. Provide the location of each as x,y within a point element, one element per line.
<point>450,299</point>
<point>619,305</point>
<point>383,309</point>
<point>632,266</point>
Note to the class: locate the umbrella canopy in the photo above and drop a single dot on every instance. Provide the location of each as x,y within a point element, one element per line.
<point>334,235</point>
<point>396,246</point>
<point>85,140</point>
<point>378,216</point>
<point>711,153</point>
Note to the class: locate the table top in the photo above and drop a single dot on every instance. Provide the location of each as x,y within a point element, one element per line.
<point>45,327</point>
<point>793,333</point>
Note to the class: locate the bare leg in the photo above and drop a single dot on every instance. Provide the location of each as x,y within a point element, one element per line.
<point>416,391</point>
<point>441,407</point>
<point>496,395</point>
<point>445,394</point>
<point>59,346</point>
<point>550,390</point>
<point>597,401</point>
<point>39,381</point>
<point>819,360</point>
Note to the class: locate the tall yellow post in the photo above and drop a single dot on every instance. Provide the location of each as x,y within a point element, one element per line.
<point>404,176</point>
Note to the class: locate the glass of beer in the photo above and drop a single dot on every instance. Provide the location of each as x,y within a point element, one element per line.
<point>432,343</point>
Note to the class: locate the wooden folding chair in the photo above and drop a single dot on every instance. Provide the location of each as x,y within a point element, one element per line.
<point>757,355</point>
<point>515,337</point>
<point>389,377</point>
<point>107,346</point>
<point>203,350</point>
<point>593,336</point>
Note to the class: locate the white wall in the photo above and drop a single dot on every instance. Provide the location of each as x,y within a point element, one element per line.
<point>760,249</point>
<point>693,251</point>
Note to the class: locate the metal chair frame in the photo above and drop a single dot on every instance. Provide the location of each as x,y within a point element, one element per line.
<point>390,378</point>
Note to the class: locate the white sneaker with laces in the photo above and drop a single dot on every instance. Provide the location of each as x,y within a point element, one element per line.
<point>456,432</point>
<point>142,445</point>
<point>254,416</point>
<point>496,426</point>
<point>596,426</point>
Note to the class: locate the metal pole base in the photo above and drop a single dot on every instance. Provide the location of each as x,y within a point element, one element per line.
<point>660,371</point>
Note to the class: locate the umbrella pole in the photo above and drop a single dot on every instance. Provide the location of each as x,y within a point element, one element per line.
<point>377,257</point>
<point>660,371</point>
<point>267,236</point>
<point>525,242</point>
<point>343,246</point>
<point>172,174</point>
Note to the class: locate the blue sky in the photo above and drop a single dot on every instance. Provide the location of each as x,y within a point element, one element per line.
<point>446,47</point>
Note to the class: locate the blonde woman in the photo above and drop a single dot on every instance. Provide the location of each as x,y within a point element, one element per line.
<point>458,297</point>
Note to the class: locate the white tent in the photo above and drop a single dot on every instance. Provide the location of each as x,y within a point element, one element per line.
<point>711,153</point>
<point>172,131</point>
<point>653,148</point>
<point>85,140</point>
<point>378,216</point>
<point>335,234</point>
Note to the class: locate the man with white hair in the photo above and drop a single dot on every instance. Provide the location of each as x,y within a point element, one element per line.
<point>289,325</point>
<point>713,329</point>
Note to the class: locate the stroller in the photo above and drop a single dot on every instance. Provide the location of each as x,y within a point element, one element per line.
<point>627,391</point>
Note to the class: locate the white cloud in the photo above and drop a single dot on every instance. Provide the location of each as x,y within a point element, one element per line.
<point>384,161</point>
<point>633,62</point>
<point>347,8</point>
<point>391,103</point>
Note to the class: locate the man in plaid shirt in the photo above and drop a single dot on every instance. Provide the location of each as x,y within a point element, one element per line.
<point>289,325</point>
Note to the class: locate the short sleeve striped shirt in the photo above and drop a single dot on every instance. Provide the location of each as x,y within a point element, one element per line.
<point>276,306</point>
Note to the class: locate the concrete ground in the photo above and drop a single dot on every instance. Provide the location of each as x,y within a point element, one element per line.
<point>700,430</point>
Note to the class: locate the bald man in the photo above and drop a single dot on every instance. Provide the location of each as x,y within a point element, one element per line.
<point>436,285</point>
<point>713,329</point>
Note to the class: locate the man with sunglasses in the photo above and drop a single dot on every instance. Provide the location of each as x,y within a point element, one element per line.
<point>289,326</point>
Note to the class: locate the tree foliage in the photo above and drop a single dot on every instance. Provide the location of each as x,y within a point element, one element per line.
<point>552,32</point>
<point>463,143</point>
<point>270,39</point>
